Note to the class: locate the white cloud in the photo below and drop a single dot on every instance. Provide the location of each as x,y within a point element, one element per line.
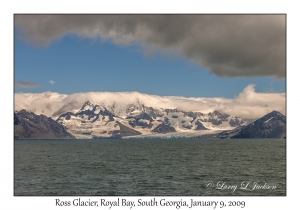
<point>51,82</point>
<point>248,103</point>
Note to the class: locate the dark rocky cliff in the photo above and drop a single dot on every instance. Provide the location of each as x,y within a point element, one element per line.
<point>272,125</point>
<point>30,125</point>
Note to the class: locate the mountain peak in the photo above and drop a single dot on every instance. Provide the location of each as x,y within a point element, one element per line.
<point>87,105</point>
<point>30,125</point>
<point>272,125</point>
<point>274,114</point>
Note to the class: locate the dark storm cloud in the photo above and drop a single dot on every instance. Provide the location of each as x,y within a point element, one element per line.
<point>227,45</point>
<point>23,84</point>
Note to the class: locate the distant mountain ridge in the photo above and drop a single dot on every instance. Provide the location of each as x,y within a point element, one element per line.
<point>136,120</point>
<point>97,121</point>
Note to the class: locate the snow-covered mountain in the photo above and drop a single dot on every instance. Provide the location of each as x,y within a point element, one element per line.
<point>128,114</point>
<point>94,120</point>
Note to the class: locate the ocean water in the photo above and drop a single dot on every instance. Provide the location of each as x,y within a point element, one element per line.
<point>139,167</point>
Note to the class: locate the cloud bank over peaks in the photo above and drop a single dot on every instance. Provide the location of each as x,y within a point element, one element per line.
<point>226,45</point>
<point>248,103</point>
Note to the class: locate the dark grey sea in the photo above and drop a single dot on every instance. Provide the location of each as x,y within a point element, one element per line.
<point>152,167</point>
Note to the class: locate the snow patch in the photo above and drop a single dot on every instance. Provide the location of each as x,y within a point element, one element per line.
<point>268,120</point>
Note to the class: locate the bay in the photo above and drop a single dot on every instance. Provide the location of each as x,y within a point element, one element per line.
<point>149,167</point>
